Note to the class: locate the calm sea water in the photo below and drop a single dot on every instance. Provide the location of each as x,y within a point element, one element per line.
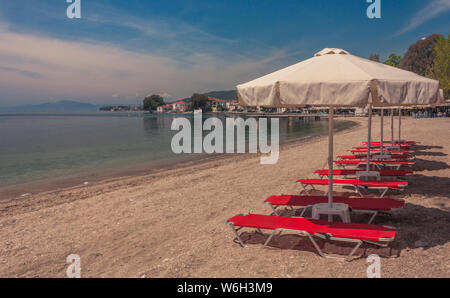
<point>38,148</point>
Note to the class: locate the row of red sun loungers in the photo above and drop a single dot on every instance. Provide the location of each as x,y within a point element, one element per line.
<point>337,231</point>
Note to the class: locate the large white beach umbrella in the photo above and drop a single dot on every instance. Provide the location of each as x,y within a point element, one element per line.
<point>335,78</point>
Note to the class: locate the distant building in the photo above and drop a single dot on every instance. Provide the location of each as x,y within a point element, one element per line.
<point>180,106</point>
<point>164,108</point>
<point>361,112</point>
<point>232,105</point>
<point>216,102</point>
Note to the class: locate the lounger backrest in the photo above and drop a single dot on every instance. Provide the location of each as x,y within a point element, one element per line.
<point>353,172</point>
<point>363,156</point>
<point>375,204</point>
<point>374,161</point>
<point>354,182</point>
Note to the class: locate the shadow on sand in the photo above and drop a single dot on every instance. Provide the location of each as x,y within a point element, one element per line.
<point>431,165</point>
<point>429,153</point>
<point>428,185</point>
<point>427,147</point>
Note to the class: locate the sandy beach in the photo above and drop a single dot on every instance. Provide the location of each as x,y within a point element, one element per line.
<point>172,223</point>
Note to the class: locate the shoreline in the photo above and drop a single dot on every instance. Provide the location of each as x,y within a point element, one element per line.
<point>37,187</point>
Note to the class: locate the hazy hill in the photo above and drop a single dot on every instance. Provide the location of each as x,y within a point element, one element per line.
<point>227,95</point>
<point>59,106</point>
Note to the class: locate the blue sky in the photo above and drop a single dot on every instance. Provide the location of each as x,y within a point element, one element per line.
<point>120,51</point>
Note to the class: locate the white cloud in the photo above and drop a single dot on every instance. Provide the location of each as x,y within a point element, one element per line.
<point>171,35</point>
<point>34,68</point>
<point>428,12</point>
<point>165,95</point>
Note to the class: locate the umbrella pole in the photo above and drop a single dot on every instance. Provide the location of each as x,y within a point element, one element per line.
<point>330,158</point>
<point>392,127</point>
<point>369,137</point>
<point>381,131</point>
<point>399,123</point>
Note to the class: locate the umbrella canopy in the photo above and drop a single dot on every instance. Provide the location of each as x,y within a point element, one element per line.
<point>333,77</point>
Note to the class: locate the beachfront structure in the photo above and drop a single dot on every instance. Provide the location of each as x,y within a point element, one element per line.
<point>360,112</point>
<point>218,102</point>
<point>180,106</point>
<point>232,105</point>
<point>164,108</point>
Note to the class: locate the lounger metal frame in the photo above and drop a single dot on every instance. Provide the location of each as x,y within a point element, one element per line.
<point>323,236</point>
<point>353,176</point>
<point>375,158</point>
<point>274,208</point>
<point>378,165</point>
<point>357,188</point>
<point>373,213</point>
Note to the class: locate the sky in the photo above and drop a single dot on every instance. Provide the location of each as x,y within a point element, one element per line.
<point>121,51</point>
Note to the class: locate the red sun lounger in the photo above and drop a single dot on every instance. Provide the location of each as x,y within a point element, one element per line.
<point>352,172</point>
<point>335,231</point>
<point>364,156</point>
<point>395,142</point>
<point>361,205</point>
<point>383,186</point>
<point>406,147</point>
<point>377,151</point>
<point>377,163</point>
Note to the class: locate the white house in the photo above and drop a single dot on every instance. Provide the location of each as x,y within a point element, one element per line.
<point>164,108</point>
<point>180,106</point>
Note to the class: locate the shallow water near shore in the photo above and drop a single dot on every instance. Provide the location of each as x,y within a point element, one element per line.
<point>45,151</point>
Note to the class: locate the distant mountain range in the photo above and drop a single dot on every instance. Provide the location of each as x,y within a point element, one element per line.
<point>227,95</point>
<point>58,106</point>
<point>75,106</point>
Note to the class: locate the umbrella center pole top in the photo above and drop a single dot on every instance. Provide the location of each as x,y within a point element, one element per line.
<point>384,156</point>
<point>339,209</point>
<point>368,175</point>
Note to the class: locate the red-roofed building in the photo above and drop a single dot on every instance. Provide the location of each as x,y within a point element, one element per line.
<point>180,106</point>
<point>232,105</point>
<point>218,102</point>
<point>164,108</point>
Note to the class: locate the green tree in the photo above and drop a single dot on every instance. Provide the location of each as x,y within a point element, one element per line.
<point>420,55</point>
<point>200,101</point>
<point>393,60</point>
<point>440,69</point>
<point>374,57</point>
<point>152,102</point>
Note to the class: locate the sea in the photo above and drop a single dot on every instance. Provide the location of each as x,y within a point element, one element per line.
<point>44,151</point>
